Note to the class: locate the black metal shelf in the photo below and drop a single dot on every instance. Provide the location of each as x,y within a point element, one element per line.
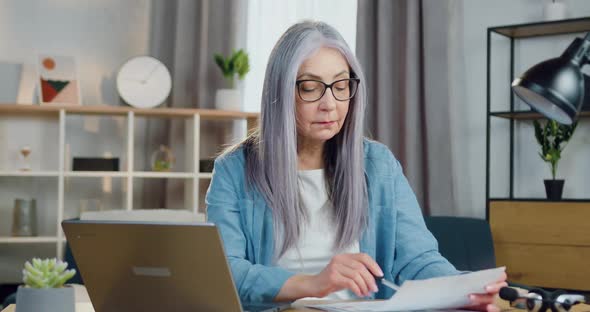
<point>514,33</point>
<point>528,115</point>
<point>566,26</point>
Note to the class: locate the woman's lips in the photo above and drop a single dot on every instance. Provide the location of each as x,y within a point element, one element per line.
<point>325,123</point>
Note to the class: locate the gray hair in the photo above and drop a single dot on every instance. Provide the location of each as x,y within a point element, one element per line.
<point>271,151</point>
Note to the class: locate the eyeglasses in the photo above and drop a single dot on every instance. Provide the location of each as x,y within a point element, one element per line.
<point>313,90</point>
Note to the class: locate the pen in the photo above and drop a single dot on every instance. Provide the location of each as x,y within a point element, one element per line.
<point>387,283</point>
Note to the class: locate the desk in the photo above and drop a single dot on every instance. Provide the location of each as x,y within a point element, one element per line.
<point>87,307</point>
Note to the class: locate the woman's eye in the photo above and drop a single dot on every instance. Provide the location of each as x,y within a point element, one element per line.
<point>309,87</point>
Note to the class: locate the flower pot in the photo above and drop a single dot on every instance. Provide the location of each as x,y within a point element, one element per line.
<point>228,99</point>
<point>45,299</point>
<point>554,189</point>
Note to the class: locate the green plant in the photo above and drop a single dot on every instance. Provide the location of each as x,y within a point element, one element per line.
<point>553,138</point>
<point>235,64</point>
<point>47,273</point>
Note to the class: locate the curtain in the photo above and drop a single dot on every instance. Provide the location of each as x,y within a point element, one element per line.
<point>412,64</point>
<point>185,35</point>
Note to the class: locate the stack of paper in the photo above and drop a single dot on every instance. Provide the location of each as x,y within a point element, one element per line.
<point>436,293</point>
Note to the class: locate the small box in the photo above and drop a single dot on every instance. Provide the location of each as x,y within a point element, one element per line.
<point>206,165</point>
<point>95,164</point>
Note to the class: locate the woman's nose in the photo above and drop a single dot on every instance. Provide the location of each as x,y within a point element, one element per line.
<point>328,102</point>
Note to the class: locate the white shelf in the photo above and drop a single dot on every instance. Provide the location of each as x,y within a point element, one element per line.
<point>28,240</point>
<point>29,173</point>
<point>151,174</point>
<point>205,175</point>
<point>193,180</point>
<point>95,174</point>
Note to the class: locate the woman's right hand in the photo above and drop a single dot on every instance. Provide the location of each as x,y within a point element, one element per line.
<point>347,271</point>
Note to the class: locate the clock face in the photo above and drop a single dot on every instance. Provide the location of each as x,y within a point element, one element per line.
<point>144,82</point>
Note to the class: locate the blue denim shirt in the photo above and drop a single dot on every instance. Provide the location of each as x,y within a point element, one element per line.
<point>396,236</point>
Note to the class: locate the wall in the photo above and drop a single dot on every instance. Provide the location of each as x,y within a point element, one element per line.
<point>470,125</point>
<point>101,35</point>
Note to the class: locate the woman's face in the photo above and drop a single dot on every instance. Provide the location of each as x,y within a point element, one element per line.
<point>321,119</point>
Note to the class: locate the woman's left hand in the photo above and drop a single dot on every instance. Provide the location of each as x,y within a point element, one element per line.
<point>485,301</point>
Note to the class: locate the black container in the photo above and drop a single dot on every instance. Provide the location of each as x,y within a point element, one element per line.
<point>554,189</point>
<point>95,164</point>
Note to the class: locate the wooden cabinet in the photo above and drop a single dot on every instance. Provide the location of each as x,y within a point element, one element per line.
<point>543,243</point>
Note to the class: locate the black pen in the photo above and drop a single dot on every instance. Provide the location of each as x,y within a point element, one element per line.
<point>387,283</point>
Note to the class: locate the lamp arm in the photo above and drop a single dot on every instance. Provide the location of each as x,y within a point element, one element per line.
<point>585,50</point>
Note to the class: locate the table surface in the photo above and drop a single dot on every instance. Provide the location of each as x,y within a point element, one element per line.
<point>87,307</point>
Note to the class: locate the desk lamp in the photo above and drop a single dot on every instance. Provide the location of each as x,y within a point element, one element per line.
<point>555,87</point>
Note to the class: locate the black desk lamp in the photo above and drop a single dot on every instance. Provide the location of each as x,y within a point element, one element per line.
<point>555,87</point>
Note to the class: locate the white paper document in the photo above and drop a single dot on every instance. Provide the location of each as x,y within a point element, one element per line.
<point>436,293</point>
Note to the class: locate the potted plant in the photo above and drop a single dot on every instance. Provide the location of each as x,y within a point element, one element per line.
<point>44,287</point>
<point>553,138</point>
<point>234,65</point>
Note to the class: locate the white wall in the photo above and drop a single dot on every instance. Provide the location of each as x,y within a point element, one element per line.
<point>470,129</point>
<point>101,35</point>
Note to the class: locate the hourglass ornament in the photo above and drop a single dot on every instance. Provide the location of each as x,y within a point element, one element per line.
<point>162,159</point>
<point>25,151</point>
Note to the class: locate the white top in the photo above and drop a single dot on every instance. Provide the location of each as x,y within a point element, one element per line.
<point>315,247</point>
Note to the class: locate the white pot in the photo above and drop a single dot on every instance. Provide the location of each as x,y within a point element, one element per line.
<point>228,99</point>
<point>554,11</point>
<point>45,299</point>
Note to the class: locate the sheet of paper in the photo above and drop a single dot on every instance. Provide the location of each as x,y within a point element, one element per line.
<point>435,293</point>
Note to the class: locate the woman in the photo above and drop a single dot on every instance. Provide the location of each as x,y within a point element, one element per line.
<point>306,206</point>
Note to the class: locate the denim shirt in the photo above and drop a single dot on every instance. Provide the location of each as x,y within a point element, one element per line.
<point>396,236</point>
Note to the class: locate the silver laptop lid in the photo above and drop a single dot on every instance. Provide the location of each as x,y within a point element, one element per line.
<point>149,266</point>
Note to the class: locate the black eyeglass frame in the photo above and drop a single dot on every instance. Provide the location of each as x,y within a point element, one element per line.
<point>328,86</point>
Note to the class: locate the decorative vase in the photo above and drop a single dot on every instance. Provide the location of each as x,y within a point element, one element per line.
<point>554,189</point>
<point>163,159</point>
<point>24,219</point>
<point>45,299</point>
<point>554,10</point>
<point>228,99</point>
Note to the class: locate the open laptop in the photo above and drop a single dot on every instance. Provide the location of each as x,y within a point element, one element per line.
<point>149,266</point>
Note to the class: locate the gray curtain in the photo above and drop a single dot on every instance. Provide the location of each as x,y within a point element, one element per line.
<point>185,34</point>
<point>406,48</point>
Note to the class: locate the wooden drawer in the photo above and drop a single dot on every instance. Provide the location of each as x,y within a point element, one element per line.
<point>543,244</point>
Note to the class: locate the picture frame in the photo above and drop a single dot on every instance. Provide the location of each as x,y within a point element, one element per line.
<point>58,80</point>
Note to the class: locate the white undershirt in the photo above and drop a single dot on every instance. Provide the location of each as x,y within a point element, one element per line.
<point>315,247</point>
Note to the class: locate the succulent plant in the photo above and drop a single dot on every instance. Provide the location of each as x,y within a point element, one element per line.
<point>47,273</point>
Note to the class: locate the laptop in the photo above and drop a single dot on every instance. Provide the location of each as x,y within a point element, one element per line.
<point>150,266</point>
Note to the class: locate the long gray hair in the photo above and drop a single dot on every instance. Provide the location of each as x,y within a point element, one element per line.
<point>271,151</point>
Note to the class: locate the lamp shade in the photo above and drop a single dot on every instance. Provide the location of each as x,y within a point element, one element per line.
<point>555,87</point>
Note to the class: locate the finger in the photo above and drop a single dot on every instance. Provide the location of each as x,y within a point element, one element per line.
<point>492,308</point>
<point>356,277</point>
<point>369,263</point>
<point>365,274</point>
<point>478,299</point>
<point>347,283</point>
<point>503,277</point>
<point>495,288</point>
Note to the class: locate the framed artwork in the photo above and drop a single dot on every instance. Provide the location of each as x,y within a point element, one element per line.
<point>58,82</point>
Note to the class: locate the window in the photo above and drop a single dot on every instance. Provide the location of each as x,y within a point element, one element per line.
<point>268,19</point>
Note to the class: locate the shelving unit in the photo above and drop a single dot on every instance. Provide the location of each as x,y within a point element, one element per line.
<point>191,175</point>
<point>533,237</point>
<point>513,33</point>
